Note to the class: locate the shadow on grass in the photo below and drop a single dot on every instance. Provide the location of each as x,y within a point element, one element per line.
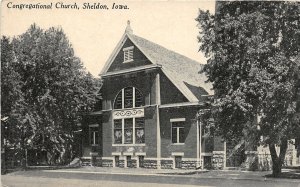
<point>286,175</point>
<point>29,168</point>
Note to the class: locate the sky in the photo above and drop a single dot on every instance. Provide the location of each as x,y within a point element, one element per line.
<point>95,33</point>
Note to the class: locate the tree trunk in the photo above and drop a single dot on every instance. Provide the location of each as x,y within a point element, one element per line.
<point>278,160</point>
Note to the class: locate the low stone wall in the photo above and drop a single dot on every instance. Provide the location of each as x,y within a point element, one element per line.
<point>121,163</point>
<point>218,160</point>
<point>188,164</point>
<point>166,164</point>
<point>107,163</point>
<point>133,164</point>
<point>97,162</point>
<point>150,164</point>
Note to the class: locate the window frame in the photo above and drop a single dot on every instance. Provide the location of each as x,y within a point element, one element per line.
<point>94,133</point>
<point>135,92</point>
<point>173,122</point>
<point>134,142</point>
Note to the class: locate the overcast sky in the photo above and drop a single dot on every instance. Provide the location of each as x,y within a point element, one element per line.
<point>95,33</point>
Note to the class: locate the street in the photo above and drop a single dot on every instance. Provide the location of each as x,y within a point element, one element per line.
<point>64,178</point>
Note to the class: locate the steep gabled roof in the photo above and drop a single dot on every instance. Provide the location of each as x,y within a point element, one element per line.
<point>183,72</point>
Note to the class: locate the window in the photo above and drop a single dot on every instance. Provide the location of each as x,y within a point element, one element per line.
<point>132,129</point>
<point>129,97</point>
<point>118,131</point>
<point>128,54</point>
<point>94,134</point>
<point>178,160</point>
<point>139,130</point>
<point>178,132</point>
<point>128,130</point>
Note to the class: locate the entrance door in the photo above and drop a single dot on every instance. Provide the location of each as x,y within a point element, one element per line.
<point>178,160</point>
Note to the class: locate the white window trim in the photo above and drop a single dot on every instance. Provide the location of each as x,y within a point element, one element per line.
<point>177,153</point>
<point>116,153</point>
<point>94,125</point>
<point>128,48</point>
<point>177,131</point>
<point>177,119</point>
<point>127,153</point>
<point>92,133</point>
<point>140,153</point>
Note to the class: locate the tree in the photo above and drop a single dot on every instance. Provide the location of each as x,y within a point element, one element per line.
<point>55,90</point>
<point>253,63</point>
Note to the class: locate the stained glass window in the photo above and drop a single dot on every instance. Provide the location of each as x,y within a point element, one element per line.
<point>138,98</point>
<point>139,130</point>
<point>128,100</point>
<point>118,131</point>
<point>118,101</point>
<point>128,131</point>
<point>129,97</point>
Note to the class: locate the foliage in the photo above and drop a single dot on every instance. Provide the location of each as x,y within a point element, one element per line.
<point>253,62</point>
<point>44,91</point>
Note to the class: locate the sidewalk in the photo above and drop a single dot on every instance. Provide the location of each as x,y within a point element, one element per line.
<point>205,174</point>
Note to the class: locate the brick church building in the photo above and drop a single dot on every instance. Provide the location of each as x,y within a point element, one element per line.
<point>148,118</point>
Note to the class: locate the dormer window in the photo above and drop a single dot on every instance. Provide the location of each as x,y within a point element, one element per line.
<point>128,54</point>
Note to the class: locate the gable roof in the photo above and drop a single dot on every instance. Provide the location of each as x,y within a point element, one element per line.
<point>182,71</point>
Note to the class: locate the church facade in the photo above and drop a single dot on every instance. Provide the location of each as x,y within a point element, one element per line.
<point>148,118</point>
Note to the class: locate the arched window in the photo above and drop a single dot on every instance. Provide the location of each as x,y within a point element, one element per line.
<point>129,97</point>
<point>129,124</point>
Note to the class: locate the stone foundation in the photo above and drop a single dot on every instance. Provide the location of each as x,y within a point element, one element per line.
<point>166,164</point>
<point>218,160</point>
<point>97,161</point>
<point>152,164</point>
<point>107,163</point>
<point>188,164</point>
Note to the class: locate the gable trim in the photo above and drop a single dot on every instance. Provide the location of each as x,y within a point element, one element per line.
<point>118,48</point>
<point>131,70</point>
<point>114,54</point>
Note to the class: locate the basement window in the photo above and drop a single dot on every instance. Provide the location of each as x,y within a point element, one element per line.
<point>128,54</point>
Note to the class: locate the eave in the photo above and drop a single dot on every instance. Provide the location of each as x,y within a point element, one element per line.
<point>183,104</point>
<point>131,70</point>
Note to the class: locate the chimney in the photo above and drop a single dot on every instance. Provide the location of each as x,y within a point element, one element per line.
<point>128,29</point>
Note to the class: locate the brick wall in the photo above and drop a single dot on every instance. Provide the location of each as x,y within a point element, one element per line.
<point>107,134</point>
<point>190,146</point>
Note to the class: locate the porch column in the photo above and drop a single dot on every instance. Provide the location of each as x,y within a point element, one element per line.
<point>224,156</point>
<point>198,145</point>
<point>158,138</point>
